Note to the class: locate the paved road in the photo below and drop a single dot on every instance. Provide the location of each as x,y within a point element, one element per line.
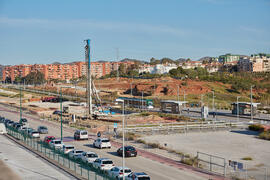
<point>156,170</point>
<point>25,164</point>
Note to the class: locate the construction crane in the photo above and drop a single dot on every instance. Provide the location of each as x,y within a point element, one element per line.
<point>91,90</point>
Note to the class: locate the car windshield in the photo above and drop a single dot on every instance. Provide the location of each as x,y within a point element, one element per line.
<point>57,142</point>
<point>126,170</point>
<point>143,178</point>
<point>42,127</point>
<point>105,140</point>
<point>91,155</point>
<point>51,138</point>
<point>34,132</point>
<point>130,148</point>
<point>84,133</point>
<point>71,147</point>
<point>79,152</point>
<point>107,162</point>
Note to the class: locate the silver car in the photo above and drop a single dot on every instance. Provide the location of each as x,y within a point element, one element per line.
<point>42,130</point>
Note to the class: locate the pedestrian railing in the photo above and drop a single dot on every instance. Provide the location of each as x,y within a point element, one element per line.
<point>85,170</point>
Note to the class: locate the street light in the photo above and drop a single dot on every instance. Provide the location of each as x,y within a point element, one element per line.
<point>213,105</point>
<point>251,106</point>
<point>238,108</point>
<point>123,135</point>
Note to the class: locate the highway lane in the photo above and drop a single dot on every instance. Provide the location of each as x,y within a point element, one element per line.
<point>155,169</point>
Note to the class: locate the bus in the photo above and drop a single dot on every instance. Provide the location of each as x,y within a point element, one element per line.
<point>137,102</point>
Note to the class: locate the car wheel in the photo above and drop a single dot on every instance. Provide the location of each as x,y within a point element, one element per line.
<point>99,146</point>
<point>94,145</point>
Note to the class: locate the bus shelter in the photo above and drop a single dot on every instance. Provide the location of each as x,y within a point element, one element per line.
<point>244,108</point>
<point>171,106</point>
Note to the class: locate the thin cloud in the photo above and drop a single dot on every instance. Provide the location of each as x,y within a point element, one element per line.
<point>117,26</point>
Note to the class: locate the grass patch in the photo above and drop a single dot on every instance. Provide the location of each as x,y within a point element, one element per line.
<point>247,158</point>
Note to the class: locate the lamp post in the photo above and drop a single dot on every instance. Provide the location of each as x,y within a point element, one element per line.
<point>61,109</point>
<point>238,108</point>
<point>213,101</point>
<point>251,106</point>
<point>123,135</point>
<point>20,104</point>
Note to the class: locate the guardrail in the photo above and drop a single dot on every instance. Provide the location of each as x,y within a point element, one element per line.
<point>85,170</point>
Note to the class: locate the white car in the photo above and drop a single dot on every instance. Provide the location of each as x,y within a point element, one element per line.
<point>89,157</point>
<point>117,172</point>
<point>76,154</point>
<point>56,143</point>
<point>138,176</point>
<point>103,164</point>
<point>67,148</point>
<point>102,143</point>
<point>35,134</point>
<point>23,129</point>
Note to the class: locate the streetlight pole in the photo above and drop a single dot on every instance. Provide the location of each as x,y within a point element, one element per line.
<point>61,109</point>
<point>213,101</point>
<point>123,139</point>
<point>238,108</point>
<point>251,106</point>
<point>20,104</point>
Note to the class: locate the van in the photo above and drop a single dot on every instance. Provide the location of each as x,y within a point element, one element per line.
<point>80,134</point>
<point>3,128</point>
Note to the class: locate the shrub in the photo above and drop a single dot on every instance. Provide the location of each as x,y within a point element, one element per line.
<point>265,135</point>
<point>140,141</point>
<point>256,127</point>
<point>154,145</point>
<point>247,158</point>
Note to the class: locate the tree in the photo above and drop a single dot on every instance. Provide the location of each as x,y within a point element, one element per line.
<point>18,79</point>
<point>35,78</point>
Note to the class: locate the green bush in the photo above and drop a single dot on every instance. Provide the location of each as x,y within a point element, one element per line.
<point>265,135</point>
<point>256,127</point>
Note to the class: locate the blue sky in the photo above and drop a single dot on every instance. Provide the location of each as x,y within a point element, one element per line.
<point>35,31</point>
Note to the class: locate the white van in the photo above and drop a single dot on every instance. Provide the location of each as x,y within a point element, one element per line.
<point>80,134</point>
<point>3,128</point>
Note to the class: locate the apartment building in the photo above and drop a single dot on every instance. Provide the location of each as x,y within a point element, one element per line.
<point>227,58</point>
<point>62,71</point>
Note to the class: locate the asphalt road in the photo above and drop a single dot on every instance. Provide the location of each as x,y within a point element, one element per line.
<point>156,170</point>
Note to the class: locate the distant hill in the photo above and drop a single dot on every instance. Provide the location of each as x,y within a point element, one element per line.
<point>132,60</point>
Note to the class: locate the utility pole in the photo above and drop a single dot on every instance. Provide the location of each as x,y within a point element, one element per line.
<point>184,98</point>
<point>20,104</point>
<point>117,59</point>
<point>201,100</point>
<point>213,101</point>
<point>142,100</point>
<point>251,106</point>
<point>123,139</point>
<point>61,109</point>
<point>238,108</point>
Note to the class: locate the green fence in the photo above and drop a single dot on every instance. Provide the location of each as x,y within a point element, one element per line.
<point>85,170</point>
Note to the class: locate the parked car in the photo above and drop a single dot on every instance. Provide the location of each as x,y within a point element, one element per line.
<point>35,134</point>
<point>103,163</point>
<point>24,121</point>
<point>89,157</point>
<point>57,112</point>
<point>138,176</point>
<point>76,154</point>
<point>119,172</point>
<point>18,126</point>
<point>67,148</point>
<point>23,129</point>
<point>10,123</point>
<point>47,139</point>
<point>102,143</point>
<point>80,134</point>
<point>29,131</point>
<point>42,130</point>
<point>57,144</point>
<point>130,151</point>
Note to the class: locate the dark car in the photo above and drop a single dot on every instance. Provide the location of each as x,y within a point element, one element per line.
<point>130,151</point>
<point>57,112</point>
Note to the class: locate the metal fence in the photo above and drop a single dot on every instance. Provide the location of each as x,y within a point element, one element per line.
<point>85,170</point>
